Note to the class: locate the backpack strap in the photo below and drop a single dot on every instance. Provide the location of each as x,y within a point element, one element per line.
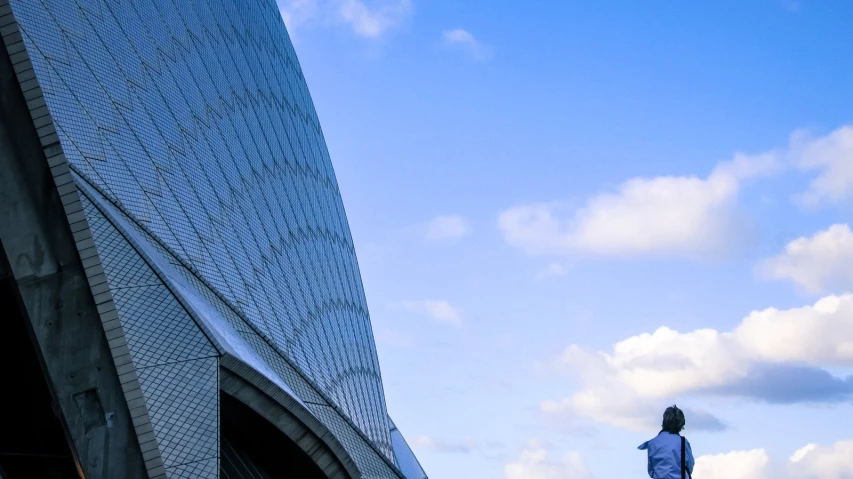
<point>683,453</point>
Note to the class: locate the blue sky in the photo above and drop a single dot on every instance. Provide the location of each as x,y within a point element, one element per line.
<point>535,192</point>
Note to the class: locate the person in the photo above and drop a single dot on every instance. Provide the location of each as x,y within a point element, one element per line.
<point>665,457</point>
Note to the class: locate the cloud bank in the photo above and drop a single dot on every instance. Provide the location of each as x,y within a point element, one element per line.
<point>683,216</point>
<point>773,356</point>
<point>751,464</point>
<point>810,462</point>
<point>666,215</point>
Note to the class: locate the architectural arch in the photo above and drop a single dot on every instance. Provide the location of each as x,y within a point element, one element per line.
<point>242,383</point>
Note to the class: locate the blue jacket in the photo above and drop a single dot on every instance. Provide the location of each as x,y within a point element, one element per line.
<point>665,456</point>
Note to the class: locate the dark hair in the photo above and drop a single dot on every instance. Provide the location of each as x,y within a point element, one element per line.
<point>673,420</point>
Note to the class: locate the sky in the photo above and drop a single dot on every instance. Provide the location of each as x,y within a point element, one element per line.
<point>570,215</point>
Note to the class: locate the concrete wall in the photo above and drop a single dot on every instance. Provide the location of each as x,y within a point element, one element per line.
<point>50,276</point>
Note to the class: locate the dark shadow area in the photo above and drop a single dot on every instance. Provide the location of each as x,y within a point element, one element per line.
<point>252,448</point>
<point>32,440</point>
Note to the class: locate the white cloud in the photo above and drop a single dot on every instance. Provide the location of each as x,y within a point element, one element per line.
<point>465,40</point>
<point>733,465</point>
<point>606,406</point>
<point>679,215</point>
<point>832,155</point>
<point>621,408</point>
<point>465,446</point>
<point>367,18</point>
<point>438,310</point>
<point>666,215</point>
<point>817,335</point>
<point>372,19</point>
<point>818,263</point>
<point>297,12</point>
<point>534,462</point>
<point>823,462</point>
<point>800,453</point>
<point>773,356</point>
<point>447,227</point>
<point>810,462</point>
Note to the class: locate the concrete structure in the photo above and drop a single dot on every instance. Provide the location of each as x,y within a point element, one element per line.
<point>179,288</point>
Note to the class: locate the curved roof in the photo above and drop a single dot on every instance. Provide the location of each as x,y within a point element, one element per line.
<point>196,180</point>
<point>194,116</point>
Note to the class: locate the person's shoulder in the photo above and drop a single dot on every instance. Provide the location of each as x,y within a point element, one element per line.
<point>650,443</point>
<point>668,440</point>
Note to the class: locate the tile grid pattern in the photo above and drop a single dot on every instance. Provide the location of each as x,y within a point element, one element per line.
<point>196,118</point>
<point>206,468</point>
<point>358,450</point>
<point>16,48</point>
<point>176,364</point>
<point>362,450</point>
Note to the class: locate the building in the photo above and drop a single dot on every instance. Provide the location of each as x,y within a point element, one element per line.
<point>180,292</point>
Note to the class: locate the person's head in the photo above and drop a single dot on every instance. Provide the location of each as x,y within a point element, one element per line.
<point>673,420</point>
